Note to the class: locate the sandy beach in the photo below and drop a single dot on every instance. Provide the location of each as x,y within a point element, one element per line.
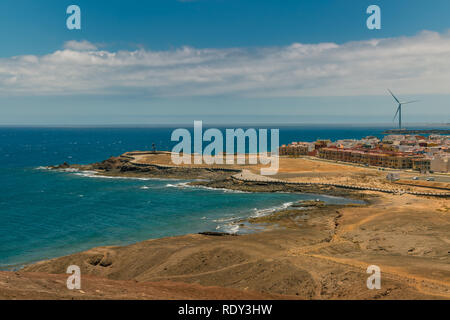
<point>321,252</point>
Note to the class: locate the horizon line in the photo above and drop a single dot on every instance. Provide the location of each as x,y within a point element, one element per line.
<point>171,125</point>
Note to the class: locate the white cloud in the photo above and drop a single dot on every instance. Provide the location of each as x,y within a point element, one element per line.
<point>409,65</point>
<point>79,45</point>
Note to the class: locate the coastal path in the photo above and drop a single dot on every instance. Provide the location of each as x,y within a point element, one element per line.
<point>247,176</point>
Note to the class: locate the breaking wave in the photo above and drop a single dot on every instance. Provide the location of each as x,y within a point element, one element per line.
<point>267,211</point>
<point>187,185</point>
<point>229,228</point>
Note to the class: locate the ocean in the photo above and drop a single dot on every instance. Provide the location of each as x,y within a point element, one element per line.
<point>45,214</point>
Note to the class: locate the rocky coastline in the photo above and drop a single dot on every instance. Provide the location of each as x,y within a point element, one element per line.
<point>308,250</point>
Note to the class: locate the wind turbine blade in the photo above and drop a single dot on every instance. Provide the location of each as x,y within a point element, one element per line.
<point>410,101</point>
<point>393,96</point>
<point>398,109</point>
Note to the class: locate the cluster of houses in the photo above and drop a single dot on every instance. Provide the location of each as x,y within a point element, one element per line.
<point>424,154</point>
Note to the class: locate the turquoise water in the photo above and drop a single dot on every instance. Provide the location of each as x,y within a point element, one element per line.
<point>59,213</point>
<point>45,214</point>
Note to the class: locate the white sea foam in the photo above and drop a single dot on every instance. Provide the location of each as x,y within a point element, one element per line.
<point>186,185</point>
<point>95,174</point>
<point>68,170</point>
<point>59,170</point>
<point>229,228</point>
<point>267,211</point>
<point>42,168</point>
<point>226,219</point>
<point>87,174</point>
<point>178,185</point>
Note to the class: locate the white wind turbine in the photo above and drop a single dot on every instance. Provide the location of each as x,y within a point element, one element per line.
<point>399,109</point>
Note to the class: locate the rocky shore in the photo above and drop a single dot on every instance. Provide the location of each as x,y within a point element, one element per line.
<point>309,250</point>
<point>123,167</point>
<point>205,176</point>
<point>321,252</point>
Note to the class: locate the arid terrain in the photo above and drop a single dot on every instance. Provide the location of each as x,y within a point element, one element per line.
<point>316,252</point>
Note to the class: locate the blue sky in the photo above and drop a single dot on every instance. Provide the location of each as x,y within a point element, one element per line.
<point>236,61</point>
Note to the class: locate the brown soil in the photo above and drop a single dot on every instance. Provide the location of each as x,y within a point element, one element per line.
<point>43,286</point>
<point>426,184</point>
<point>317,253</point>
<point>323,255</point>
